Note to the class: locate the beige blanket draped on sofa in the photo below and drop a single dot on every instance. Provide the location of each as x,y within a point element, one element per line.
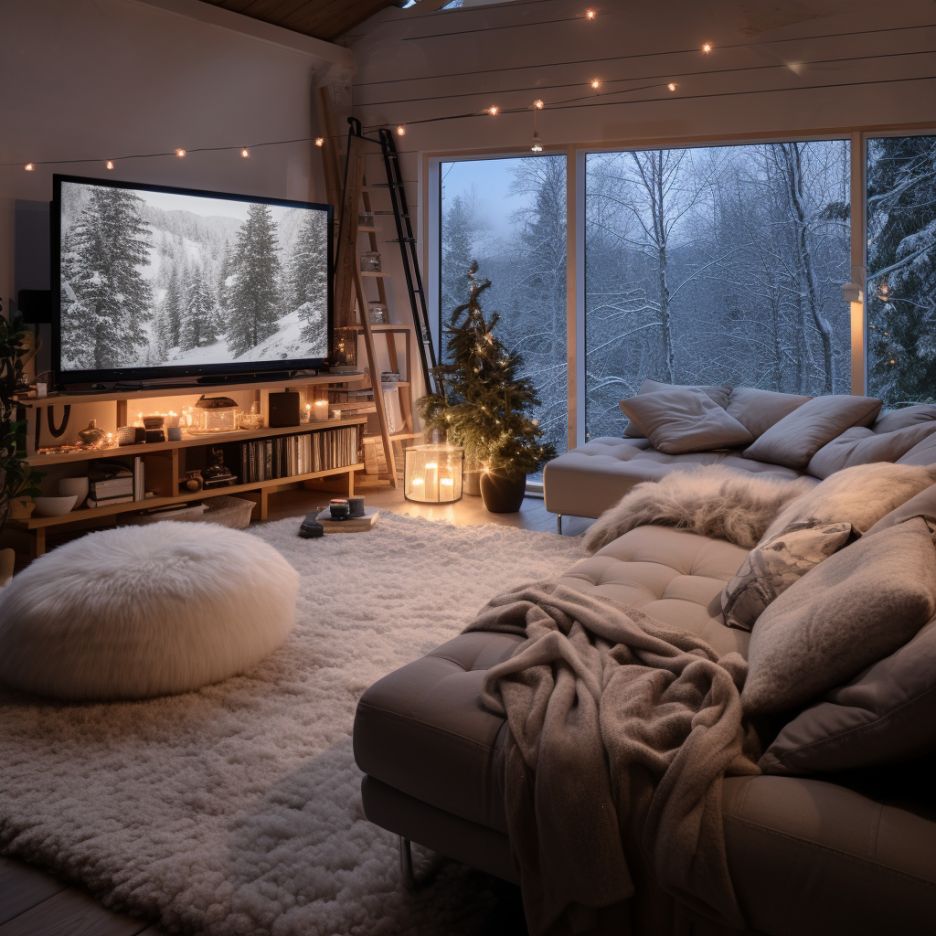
<point>621,734</point>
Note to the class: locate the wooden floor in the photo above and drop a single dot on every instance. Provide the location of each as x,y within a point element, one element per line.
<point>33,903</point>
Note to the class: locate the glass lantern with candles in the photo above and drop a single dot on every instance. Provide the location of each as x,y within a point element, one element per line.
<point>432,474</point>
<point>215,414</point>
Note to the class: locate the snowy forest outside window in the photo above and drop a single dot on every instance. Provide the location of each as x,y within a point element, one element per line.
<point>715,265</point>
<point>901,288</point>
<point>509,214</point>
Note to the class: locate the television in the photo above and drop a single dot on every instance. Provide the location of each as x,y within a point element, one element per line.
<point>156,282</point>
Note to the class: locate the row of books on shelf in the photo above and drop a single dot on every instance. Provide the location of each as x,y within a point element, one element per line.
<point>114,482</point>
<point>283,456</point>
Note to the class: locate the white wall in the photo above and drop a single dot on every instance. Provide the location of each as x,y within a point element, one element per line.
<point>89,78</point>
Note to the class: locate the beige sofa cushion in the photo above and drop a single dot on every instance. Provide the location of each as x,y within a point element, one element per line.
<point>674,576</point>
<point>719,394</point>
<point>847,613</point>
<point>686,420</point>
<point>757,410</point>
<point>889,420</point>
<point>861,446</point>
<point>797,437</point>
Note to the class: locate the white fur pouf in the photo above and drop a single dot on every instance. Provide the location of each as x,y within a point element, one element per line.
<point>144,611</point>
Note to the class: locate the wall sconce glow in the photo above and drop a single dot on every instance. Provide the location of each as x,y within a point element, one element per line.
<point>595,84</point>
<point>672,86</point>
<point>30,167</point>
<point>320,142</point>
<point>180,153</point>
<point>432,474</point>
<point>707,48</point>
<point>109,164</point>
<point>401,130</point>
<point>493,110</point>
<point>245,153</point>
<point>537,146</point>
<point>539,104</point>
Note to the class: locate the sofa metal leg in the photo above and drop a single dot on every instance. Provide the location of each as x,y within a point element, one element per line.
<point>559,524</point>
<point>406,865</point>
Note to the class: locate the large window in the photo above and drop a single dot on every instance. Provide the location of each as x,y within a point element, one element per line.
<point>716,265</point>
<point>901,288</point>
<point>510,215</point>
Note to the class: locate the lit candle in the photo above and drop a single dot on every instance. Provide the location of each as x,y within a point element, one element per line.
<point>139,420</point>
<point>308,409</point>
<point>321,410</point>
<point>172,420</point>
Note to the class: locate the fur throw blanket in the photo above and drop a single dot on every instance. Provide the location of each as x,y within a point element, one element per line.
<point>710,500</point>
<point>621,734</point>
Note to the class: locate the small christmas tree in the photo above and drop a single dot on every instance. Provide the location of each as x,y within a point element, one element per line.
<point>484,404</point>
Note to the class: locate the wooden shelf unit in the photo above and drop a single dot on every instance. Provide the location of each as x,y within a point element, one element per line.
<point>166,462</point>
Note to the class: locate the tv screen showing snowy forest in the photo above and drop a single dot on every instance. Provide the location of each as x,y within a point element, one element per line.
<point>155,279</point>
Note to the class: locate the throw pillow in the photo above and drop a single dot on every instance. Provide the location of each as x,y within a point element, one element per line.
<point>859,496</point>
<point>889,420</point>
<point>775,564</point>
<point>794,440</point>
<point>684,421</point>
<point>719,394</point>
<point>861,446</point>
<point>757,410</point>
<point>847,613</point>
<point>885,714</point>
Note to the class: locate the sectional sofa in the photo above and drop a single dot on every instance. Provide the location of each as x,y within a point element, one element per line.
<point>783,434</point>
<point>837,835</point>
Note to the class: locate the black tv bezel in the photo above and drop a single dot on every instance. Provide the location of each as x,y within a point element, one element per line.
<point>115,375</point>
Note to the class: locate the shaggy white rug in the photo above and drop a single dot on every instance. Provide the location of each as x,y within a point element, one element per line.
<point>236,809</point>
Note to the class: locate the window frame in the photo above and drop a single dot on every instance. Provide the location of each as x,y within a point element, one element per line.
<point>576,154</point>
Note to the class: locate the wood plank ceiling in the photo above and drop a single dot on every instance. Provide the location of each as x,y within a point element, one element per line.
<point>323,19</point>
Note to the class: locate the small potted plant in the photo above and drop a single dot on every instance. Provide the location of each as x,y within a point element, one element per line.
<point>19,482</point>
<point>485,405</point>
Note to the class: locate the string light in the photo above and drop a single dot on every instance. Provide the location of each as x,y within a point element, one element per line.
<point>30,167</point>
<point>595,84</point>
<point>707,48</point>
<point>590,14</point>
<point>493,110</point>
<point>537,146</point>
<point>180,153</point>
<point>320,142</point>
<point>401,130</point>
<point>109,164</point>
<point>672,86</point>
<point>245,153</point>
<point>538,104</point>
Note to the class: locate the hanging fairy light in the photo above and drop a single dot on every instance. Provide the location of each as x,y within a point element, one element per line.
<point>401,131</point>
<point>590,14</point>
<point>320,142</point>
<point>30,167</point>
<point>180,152</point>
<point>493,110</point>
<point>672,86</point>
<point>595,84</point>
<point>109,164</point>
<point>537,146</point>
<point>707,48</point>
<point>245,153</point>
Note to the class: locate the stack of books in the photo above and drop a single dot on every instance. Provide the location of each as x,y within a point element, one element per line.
<point>112,482</point>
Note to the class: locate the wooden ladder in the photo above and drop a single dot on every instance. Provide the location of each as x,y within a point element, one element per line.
<point>349,191</point>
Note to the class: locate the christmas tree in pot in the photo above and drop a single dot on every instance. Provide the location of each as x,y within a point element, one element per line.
<point>484,405</point>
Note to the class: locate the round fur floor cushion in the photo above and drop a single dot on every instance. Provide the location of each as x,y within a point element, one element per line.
<point>236,809</point>
<point>710,500</point>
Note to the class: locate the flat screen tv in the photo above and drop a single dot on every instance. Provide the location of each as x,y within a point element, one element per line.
<point>156,282</point>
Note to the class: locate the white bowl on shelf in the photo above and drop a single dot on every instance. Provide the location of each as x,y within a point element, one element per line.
<point>55,506</point>
<point>76,486</point>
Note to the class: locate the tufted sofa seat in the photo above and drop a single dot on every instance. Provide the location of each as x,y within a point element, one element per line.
<point>588,480</point>
<point>807,856</point>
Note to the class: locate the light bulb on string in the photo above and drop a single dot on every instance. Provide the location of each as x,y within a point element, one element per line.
<point>245,153</point>
<point>109,164</point>
<point>401,130</point>
<point>539,104</point>
<point>537,146</point>
<point>707,48</point>
<point>590,14</point>
<point>672,86</point>
<point>595,84</point>
<point>493,110</point>
<point>180,152</point>
<point>320,142</point>
<point>30,167</point>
